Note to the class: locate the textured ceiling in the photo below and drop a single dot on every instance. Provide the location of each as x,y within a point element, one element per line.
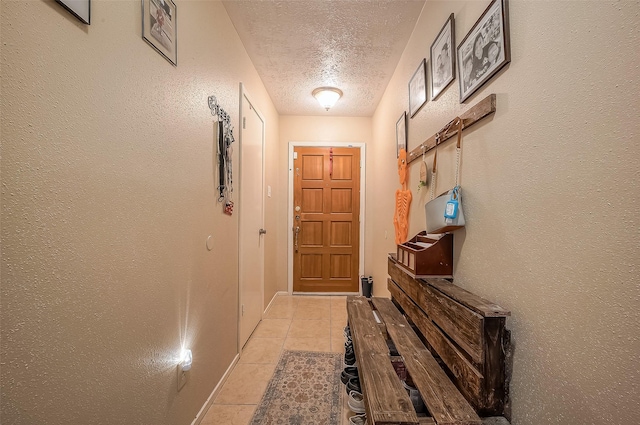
<point>299,45</point>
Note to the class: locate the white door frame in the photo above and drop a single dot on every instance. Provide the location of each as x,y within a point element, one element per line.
<point>243,94</point>
<point>363,163</point>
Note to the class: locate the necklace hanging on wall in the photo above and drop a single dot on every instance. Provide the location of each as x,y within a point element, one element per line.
<point>224,140</point>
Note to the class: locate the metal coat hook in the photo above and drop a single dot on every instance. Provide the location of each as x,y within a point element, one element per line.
<point>471,116</point>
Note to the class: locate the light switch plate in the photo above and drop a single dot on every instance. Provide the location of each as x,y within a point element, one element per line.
<point>269,191</point>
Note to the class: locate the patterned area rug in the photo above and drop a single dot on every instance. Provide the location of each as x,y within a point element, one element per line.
<point>305,390</point>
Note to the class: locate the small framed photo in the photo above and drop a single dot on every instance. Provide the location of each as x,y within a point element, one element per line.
<point>418,89</point>
<point>159,27</point>
<point>81,9</point>
<point>485,49</point>
<point>443,58</point>
<point>401,134</point>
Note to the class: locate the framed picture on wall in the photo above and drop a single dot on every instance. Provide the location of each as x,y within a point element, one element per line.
<point>81,9</point>
<point>401,134</point>
<point>485,49</point>
<point>418,89</point>
<point>159,27</point>
<point>443,59</point>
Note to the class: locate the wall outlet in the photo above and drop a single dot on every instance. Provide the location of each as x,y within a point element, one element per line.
<point>183,377</point>
<point>269,191</point>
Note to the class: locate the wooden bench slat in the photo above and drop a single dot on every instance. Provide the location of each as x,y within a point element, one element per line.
<point>462,325</point>
<point>401,278</point>
<point>445,403</point>
<point>457,363</point>
<point>497,341</point>
<point>473,301</point>
<point>386,401</point>
<point>476,303</point>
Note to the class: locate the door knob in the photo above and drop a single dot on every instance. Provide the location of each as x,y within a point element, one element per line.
<point>262,232</point>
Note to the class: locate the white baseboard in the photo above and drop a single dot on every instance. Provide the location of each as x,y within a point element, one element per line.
<point>273,299</point>
<point>203,411</point>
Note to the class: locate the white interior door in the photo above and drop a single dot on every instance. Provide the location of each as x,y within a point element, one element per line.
<point>251,210</point>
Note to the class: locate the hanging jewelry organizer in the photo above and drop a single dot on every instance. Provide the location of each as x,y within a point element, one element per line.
<point>224,140</point>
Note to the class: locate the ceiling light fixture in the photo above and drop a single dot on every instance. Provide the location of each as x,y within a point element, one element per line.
<point>327,96</point>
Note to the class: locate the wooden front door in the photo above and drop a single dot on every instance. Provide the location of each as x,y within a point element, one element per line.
<point>326,224</point>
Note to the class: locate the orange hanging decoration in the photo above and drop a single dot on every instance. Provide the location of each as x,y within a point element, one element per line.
<point>403,201</point>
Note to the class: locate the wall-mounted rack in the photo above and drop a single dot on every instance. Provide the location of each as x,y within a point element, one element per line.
<point>485,107</point>
<point>224,140</point>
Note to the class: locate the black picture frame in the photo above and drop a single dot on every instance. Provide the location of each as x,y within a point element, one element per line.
<point>442,59</point>
<point>81,9</point>
<point>489,39</point>
<point>418,89</point>
<point>160,27</point>
<point>401,133</point>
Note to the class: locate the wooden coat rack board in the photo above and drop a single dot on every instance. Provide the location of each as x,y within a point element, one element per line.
<point>485,107</point>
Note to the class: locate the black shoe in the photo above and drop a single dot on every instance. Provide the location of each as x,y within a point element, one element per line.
<point>354,385</point>
<point>350,361</point>
<point>348,373</point>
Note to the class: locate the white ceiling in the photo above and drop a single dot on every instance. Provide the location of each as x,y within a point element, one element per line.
<point>298,45</point>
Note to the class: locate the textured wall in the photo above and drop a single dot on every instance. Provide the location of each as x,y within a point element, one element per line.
<point>107,200</point>
<point>320,129</point>
<point>551,196</point>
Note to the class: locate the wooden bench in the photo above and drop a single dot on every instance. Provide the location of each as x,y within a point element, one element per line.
<point>453,345</point>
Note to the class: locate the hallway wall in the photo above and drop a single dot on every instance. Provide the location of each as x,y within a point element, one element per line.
<point>108,197</point>
<point>551,198</point>
<point>317,129</point>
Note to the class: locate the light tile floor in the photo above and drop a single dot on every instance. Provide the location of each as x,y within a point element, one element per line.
<point>310,323</point>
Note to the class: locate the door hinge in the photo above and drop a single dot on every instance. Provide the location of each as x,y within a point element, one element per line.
<point>244,122</point>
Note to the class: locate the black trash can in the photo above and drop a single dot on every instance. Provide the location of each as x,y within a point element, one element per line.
<point>367,286</point>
